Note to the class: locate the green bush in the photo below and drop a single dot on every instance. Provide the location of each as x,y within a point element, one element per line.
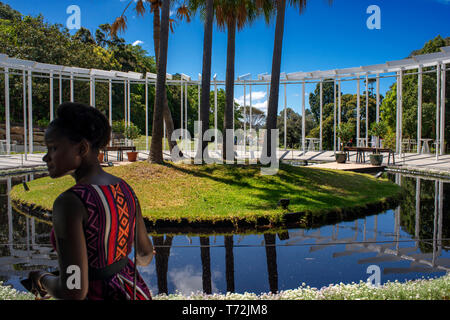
<point>132,132</point>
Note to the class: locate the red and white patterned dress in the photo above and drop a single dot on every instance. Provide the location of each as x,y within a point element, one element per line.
<point>109,233</point>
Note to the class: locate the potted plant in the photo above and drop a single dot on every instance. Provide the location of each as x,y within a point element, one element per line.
<point>345,133</point>
<point>132,132</point>
<point>379,130</point>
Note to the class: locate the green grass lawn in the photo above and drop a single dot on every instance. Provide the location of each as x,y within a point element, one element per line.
<point>228,192</point>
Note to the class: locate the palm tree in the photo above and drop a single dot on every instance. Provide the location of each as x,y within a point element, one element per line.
<point>156,155</point>
<point>120,24</point>
<point>272,110</point>
<point>232,14</point>
<point>208,8</point>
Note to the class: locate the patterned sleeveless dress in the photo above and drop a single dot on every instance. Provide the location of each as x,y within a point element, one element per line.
<point>109,233</point>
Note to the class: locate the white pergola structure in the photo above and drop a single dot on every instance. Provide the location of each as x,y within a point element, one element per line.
<point>398,67</point>
<point>28,69</point>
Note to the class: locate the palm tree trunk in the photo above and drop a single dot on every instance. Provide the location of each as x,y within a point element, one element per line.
<point>272,109</point>
<point>156,155</point>
<point>206,77</point>
<point>229,89</point>
<point>167,115</point>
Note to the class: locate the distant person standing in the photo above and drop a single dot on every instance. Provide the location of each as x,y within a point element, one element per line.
<point>93,221</point>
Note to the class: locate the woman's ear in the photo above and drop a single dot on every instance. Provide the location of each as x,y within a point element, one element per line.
<point>85,147</point>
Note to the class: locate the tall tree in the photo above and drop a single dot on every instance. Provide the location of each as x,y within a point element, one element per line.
<point>272,110</point>
<point>120,24</point>
<point>208,7</point>
<point>156,155</point>
<point>232,15</point>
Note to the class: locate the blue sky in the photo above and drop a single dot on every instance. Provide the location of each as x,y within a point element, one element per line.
<point>324,37</point>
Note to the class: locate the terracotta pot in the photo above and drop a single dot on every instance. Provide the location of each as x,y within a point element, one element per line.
<point>132,156</point>
<point>100,157</point>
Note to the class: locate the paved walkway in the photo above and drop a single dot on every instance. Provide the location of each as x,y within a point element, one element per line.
<point>408,161</point>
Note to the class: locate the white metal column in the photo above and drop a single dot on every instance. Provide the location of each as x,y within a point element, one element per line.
<point>399,113</point>
<point>377,112</point>
<point>321,114</point>
<point>146,114</point>
<point>72,98</point>
<point>303,118</point>
<point>182,109</point>
<point>199,100</point>
<point>125,103</point>
<point>358,113</point>
<point>30,111</point>
<point>25,138</point>
<point>334,119</point>
<point>129,102</point>
<point>60,88</point>
<point>367,110</point>
<point>7,115</point>
<point>378,99</point>
<point>443,84</point>
<point>250,123</point>
<point>185,107</point>
<point>438,96</point>
<point>215,113</point>
<point>339,112</point>
<point>419,109</point>
<point>110,106</point>
<point>51,96</point>
<point>285,118</point>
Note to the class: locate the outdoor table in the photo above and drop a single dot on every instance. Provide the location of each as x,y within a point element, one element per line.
<point>119,149</point>
<point>360,153</point>
<point>425,146</point>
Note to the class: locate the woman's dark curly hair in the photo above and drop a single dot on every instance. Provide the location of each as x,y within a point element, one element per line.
<point>78,121</point>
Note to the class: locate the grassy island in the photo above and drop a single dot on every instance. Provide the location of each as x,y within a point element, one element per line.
<point>232,193</point>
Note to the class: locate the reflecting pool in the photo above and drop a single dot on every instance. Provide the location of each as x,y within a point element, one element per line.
<point>409,242</point>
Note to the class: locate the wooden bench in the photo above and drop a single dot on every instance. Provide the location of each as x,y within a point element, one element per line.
<point>360,153</point>
<point>119,149</point>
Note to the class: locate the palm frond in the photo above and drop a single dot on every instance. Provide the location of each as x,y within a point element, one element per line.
<point>140,9</point>
<point>184,13</point>
<point>120,24</point>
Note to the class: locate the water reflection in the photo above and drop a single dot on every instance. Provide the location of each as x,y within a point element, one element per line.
<point>406,243</point>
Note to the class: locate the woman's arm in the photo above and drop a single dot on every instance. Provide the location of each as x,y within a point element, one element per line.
<point>145,249</point>
<point>72,283</point>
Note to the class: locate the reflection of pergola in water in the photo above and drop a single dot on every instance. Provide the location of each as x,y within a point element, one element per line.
<point>393,69</point>
<point>387,250</point>
<point>31,255</point>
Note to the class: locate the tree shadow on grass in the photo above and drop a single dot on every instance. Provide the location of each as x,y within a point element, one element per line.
<point>314,188</point>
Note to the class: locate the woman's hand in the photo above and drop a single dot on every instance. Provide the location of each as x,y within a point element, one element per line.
<point>37,288</point>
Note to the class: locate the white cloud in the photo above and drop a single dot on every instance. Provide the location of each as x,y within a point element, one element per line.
<point>138,42</point>
<point>261,106</point>
<point>256,96</point>
<point>188,279</point>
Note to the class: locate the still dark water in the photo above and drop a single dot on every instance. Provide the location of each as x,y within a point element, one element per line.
<point>410,242</point>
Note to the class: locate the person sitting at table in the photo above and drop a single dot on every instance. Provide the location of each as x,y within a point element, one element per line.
<point>350,143</point>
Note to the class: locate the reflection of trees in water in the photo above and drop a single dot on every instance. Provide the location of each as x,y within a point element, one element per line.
<point>427,199</point>
<point>162,248</point>
<point>229,263</point>
<point>206,264</point>
<point>271,255</point>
